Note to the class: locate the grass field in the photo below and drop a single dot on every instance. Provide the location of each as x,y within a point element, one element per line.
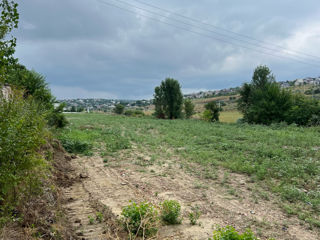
<point>283,160</point>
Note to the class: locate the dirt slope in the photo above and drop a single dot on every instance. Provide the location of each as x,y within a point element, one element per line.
<point>224,200</point>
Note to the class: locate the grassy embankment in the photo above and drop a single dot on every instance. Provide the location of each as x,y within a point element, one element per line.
<point>284,161</point>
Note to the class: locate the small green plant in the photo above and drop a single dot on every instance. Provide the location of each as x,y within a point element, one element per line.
<point>229,233</point>
<point>99,217</point>
<point>171,211</point>
<point>194,215</point>
<point>140,219</point>
<point>91,220</point>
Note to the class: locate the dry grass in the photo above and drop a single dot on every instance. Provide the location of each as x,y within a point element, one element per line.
<point>230,116</point>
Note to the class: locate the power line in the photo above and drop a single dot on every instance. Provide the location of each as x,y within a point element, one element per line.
<point>205,35</point>
<point>228,31</point>
<point>205,29</point>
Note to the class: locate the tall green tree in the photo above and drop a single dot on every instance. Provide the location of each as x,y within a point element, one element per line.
<point>8,21</point>
<point>264,102</point>
<point>168,99</point>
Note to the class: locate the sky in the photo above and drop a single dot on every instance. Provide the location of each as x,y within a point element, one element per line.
<point>92,49</point>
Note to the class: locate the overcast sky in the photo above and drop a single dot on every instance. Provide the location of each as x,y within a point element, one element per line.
<point>89,49</point>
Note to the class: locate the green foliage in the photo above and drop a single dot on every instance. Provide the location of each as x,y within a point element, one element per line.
<point>99,217</point>
<point>212,112</point>
<point>91,220</point>
<point>22,133</point>
<point>304,111</point>
<point>140,219</point>
<point>171,212</point>
<point>168,99</point>
<point>8,21</point>
<point>34,84</point>
<point>188,108</point>
<point>280,157</point>
<point>229,233</point>
<point>194,215</point>
<point>119,109</point>
<point>74,145</point>
<point>134,113</point>
<point>264,102</point>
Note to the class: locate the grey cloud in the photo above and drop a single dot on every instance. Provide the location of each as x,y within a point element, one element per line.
<point>97,49</point>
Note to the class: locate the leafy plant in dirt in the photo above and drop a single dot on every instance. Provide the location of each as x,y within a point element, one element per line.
<point>99,217</point>
<point>194,215</point>
<point>91,220</point>
<point>229,233</point>
<point>171,212</point>
<point>140,219</point>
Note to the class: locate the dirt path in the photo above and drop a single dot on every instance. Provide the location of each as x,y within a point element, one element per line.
<point>226,200</point>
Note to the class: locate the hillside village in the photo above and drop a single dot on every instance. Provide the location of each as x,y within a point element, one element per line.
<point>107,105</point>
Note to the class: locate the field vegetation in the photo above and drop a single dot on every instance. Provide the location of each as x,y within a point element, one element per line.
<point>282,160</point>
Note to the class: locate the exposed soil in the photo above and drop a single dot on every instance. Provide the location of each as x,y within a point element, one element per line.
<point>226,199</point>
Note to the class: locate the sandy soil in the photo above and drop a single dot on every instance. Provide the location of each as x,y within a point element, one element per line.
<point>225,200</point>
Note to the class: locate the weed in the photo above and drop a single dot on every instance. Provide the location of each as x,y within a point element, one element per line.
<point>99,217</point>
<point>91,220</point>
<point>171,212</point>
<point>140,219</point>
<point>194,215</point>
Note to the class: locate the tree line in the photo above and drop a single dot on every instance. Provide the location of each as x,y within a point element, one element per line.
<point>262,101</point>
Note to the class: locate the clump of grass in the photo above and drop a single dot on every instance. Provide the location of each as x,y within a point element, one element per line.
<point>194,215</point>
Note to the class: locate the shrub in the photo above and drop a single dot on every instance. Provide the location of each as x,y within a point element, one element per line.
<point>119,109</point>
<point>170,212</point>
<point>140,219</point>
<point>188,108</point>
<point>72,145</point>
<point>22,133</point>
<point>229,233</point>
<point>212,112</point>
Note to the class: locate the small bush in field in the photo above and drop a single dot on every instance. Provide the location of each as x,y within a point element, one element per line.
<point>171,212</point>
<point>74,145</point>
<point>140,219</point>
<point>229,233</point>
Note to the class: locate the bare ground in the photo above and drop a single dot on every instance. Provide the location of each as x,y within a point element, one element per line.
<point>224,199</point>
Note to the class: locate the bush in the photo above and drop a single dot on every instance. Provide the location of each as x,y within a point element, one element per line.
<point>73,145</point>
<point>170,212</point>
<point>188,108</point>
<point>229,233</point>
<point>140,219</point>
<point>264,102</point>
<point>119,109</point>
<point>22,134</point>
<point>212,112</point>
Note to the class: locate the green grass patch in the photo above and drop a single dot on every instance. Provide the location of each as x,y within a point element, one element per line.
<point>284,159</point>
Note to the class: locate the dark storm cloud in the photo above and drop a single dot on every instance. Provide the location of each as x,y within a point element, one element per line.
<point>86,48</point>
